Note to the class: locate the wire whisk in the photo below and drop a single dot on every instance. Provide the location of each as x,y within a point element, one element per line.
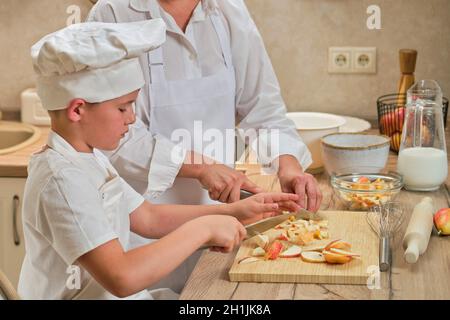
<point>385,220</point>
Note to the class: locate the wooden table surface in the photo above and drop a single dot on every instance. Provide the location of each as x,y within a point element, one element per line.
<point>427,279</point>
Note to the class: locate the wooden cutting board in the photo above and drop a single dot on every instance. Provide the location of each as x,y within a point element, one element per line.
<point>349,226</point>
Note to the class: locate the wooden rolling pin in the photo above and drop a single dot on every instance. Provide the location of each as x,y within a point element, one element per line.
<point>408,59</point>
<point>418,233</point>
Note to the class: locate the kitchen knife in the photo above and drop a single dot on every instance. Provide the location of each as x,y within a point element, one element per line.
<point>266,224</point>
<point>244,194</point>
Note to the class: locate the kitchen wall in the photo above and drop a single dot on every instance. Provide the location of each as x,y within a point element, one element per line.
<point>22,23</point>
<point>297,34</point>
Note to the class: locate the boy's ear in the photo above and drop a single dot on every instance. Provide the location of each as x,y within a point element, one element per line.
<point>76,109</point>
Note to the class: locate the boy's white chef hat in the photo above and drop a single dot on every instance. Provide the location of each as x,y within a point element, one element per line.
<point>93,61</point>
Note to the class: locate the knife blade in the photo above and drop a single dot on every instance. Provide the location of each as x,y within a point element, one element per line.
<point>266,224</point>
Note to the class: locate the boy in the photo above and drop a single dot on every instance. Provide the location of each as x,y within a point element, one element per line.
<point>77,211</point>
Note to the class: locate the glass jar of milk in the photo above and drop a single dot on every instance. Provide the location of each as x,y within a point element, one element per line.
<point>422,159</point>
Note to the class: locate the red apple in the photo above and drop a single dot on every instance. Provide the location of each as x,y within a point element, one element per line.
<point>393,121</point>
<point>442,221</point>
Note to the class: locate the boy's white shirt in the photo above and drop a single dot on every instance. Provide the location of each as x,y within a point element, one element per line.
<point>64,217</point>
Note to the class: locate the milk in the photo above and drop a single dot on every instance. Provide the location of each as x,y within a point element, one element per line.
<point>423,169</point>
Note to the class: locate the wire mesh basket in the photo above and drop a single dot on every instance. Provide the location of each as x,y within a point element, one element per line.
<point>391,115</point>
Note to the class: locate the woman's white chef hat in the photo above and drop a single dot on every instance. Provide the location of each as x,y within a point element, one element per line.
<point>93,61</point>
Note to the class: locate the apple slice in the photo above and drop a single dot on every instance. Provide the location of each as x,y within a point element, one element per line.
<point>274,234</point>
<point>316,246</point>
<point>312,256</point>
<point>258,252</point>
<point>248,260</point>
<point>335,258</point>
<point>344,253</point>
<point>291,252</point>
<point>274,250</point>
<point>262,240</point>
<point>339,244</point>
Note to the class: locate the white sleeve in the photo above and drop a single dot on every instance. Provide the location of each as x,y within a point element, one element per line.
<point>132,199</point>
<point>72,216</point>
<point>148,158</point>
<point>258,97</point>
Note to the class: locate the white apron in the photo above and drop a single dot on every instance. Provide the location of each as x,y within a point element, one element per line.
<point>179,105</point>
<point>111,192</point>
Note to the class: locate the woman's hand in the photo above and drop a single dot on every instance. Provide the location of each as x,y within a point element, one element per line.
<point>294,180</point>
<point>263,205</point>
<point>224,184</point>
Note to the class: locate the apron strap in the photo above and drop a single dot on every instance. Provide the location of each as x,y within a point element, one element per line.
<point>223,39</point>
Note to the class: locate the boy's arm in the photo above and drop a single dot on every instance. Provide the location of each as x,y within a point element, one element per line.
<point>126,273</point>
<point>155,221</point>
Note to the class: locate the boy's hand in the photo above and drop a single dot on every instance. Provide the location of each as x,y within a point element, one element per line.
<point>224,232</point>
<point>263,205</point>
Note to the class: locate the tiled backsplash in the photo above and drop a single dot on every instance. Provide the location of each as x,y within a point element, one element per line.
<point>297,34</point>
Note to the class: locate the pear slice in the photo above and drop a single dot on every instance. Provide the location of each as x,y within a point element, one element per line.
<point>312,256</point>
<point>291,252</point>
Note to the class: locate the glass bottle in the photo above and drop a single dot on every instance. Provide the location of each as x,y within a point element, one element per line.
<point>422,158</point>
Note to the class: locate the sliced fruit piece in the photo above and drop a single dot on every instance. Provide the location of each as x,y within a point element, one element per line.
<point>335,258</point>
<point>316,246</point>
<point>313,228</point>
<point>318,235</point>
<point>344,253</point>
<point>306,238</point>
<point>283,237</point>
<point>322,223</point>
<point>261,240</point>
<point>274,250</point>
<point>312,256</point>
<point>324,234</point>
<point>248,260</point>
<point>258,252</point>
<point>339,244</point>
<point>274,234</point>
<point>291,252</point>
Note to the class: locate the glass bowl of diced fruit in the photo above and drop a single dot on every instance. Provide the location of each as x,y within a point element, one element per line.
<point>363,190</point>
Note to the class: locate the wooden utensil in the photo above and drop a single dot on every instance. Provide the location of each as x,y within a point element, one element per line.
<point>408,59</point>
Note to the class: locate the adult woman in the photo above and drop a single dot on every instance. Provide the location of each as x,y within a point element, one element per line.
<point>213,71</point>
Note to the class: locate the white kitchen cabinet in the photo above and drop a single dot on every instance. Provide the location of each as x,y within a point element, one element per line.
<point>12,244</point>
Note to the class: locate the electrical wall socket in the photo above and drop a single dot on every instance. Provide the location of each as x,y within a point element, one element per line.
<point>352,60</point>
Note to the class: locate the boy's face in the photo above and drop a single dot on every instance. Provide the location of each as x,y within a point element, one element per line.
<point>105,123</point>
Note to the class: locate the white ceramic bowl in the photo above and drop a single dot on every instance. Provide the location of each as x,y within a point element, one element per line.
<point>312,126</point>
<point>355,151</point>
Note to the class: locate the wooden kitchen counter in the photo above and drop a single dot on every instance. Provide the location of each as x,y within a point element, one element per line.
<point>15,164</point>
<point>427,279</point>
